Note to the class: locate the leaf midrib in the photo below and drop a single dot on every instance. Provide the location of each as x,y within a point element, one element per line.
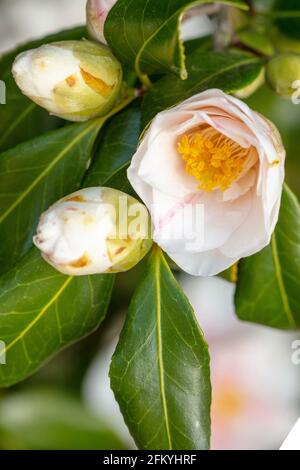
<point>247,61</point>
<point>46,171</point>
<point>40,314</point>
<point>29,108</point>
<point>175,14</point>
<point>159,346</point>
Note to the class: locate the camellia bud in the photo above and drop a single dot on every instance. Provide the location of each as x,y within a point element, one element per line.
<point>96,14</point>
<point>94,230</point>
<point>75,80</point>
<point>283,73</point>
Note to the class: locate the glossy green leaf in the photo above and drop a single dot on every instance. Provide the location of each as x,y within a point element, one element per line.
<point>287,14</point>
<point>145,34</point>
<point>118,143</point>
<point>268,289</point>
<point>203,44</point>
<point>42,311</point>
<point>41,419</point>
<point>230,71</point>
<point>160,370</point>
<point>20,118</point>
<point>35,174</point>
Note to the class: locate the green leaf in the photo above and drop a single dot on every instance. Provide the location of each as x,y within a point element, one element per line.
<point>118,143</point>
<point>230,71</point>
<point>42,311</point>
<point>203,44</point>
<point>20,118</point>
<point>287,14</point>
<point>160,370</point>
<point>41,419</point>
<point>268,289</point>
<point>35,174</point>
<point>145,34</point>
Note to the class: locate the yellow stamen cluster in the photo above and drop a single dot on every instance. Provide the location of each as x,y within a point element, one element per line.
<point>212,158</point>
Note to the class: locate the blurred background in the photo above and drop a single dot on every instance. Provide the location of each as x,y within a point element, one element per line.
<point>68,403</point>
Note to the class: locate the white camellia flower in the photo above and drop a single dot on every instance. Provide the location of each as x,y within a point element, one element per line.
<point>75,80</point>
<point>213,160</point>
<point>96,13</point>
<point>94,230</point>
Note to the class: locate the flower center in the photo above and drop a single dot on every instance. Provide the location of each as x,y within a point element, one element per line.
<point>212,158</point>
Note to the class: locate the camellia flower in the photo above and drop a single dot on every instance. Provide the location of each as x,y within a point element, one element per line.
<point>94,230</point>
<point>213,153</point>
<point>96,13</point>
<point>75,80</point>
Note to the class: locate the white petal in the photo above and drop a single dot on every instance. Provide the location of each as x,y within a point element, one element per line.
<point>198,223</point>
<point>70,230</point>
<point>157,161</point>
<point>208,263</point>
<point>38,71</point>
<point>251,235</point>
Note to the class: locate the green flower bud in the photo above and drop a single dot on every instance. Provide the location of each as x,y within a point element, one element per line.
<point>95,230</point>
<point>283,73</point>
<point>75,80</point>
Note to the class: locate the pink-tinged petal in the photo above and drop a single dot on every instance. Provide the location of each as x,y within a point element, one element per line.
<point>96,12</point>
<point>196,223</point>
<point>234,223</point>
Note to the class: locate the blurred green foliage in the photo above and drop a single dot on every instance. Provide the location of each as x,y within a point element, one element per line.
<point>286,116</point>
<point>45,419</point>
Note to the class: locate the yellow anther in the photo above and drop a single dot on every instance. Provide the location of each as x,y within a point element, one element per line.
<point>212,158</point>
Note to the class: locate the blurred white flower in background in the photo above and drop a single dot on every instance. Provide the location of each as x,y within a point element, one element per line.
<point>255,384</point>
<point>212,300</point>
<point>98,396</point>
<point>254,392</point>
